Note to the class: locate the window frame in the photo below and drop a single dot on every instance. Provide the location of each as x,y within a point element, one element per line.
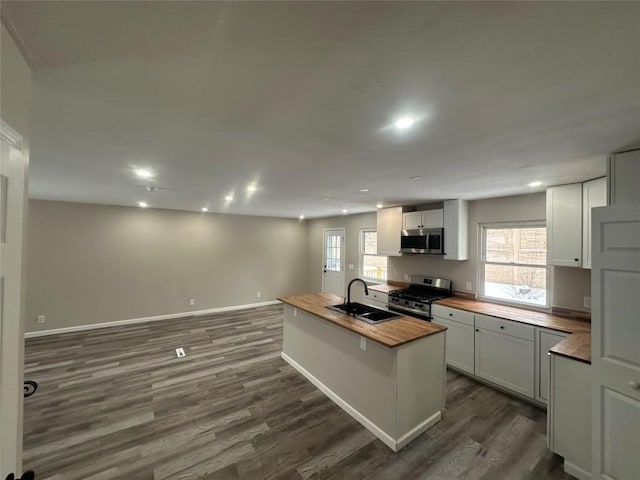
<point>482,228</point>
<point>361,255</point>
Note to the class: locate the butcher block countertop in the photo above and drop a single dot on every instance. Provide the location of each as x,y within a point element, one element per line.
<point>392,333</point>
<point>576,346</point>
<point>386,288</point>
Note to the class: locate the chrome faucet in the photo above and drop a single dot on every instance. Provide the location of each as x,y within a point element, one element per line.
<point>366,289</point>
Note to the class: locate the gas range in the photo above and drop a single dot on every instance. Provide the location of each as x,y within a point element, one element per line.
<point>416,299</point>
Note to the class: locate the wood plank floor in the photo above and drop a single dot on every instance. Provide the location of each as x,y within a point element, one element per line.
<point>116,403</point>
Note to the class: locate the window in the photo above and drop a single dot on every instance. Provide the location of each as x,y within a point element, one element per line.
<point>513,266</point>
<point>372,266</point>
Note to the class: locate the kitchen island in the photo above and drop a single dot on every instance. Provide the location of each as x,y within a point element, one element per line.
<point>389,376</point>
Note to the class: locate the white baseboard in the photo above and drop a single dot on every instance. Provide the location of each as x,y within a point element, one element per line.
<point>131,321</point>
<point>387,439</point>
<point>576,471</point>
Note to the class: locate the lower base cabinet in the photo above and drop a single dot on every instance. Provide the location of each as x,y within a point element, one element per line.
<point>505,360</point>
<point>569,414</point>
<point>459,344</point>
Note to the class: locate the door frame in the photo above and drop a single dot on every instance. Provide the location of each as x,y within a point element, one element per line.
<point>343,255</point>
<point>12,314</point>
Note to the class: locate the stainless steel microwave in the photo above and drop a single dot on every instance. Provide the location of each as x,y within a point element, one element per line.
<point>423,240</point>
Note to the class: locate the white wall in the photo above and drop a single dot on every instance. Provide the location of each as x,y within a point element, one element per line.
<point>96,263</point>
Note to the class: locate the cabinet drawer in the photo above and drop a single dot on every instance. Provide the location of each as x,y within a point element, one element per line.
<point>515,329</point>
<point>379,296</point>
<point>452,314</point>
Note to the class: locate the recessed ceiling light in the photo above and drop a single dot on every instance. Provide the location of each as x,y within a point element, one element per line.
<point>252,188</point>
<point>416,178</point>
<point>535,184</point>
<point>363,190</point>
<point>144,173</point>
<point>344,210</point>
<point>204,209</point>
<point>151,188</point>
<point>403,123</point>
<point>228,198</point>
<point>301,217</point>
<point>379,205</point>
<point>143,204</point>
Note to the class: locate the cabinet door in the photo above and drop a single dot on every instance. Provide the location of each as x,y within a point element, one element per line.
<point>433,218</point>
<point>624,171</point>
<point>564,225</point>
<point>389,226</point>
<point>456,221</point>
<point>411,220</point>
<point>459,344</point>
<point>546,340</point>
<point>504,360</point>
<point>594,194</point>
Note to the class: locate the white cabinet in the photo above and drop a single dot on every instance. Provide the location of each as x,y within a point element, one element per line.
<point>624,178</point>
<point>546,340</point>
<point>389,226</point>
<point>564,225</point>
<point>459,336</point>
<point>376,299</point>
<point>456,226</point>
<point>594,194</point>
<point>423,219</point>
<point>569,414</point>
<point>505,359</point>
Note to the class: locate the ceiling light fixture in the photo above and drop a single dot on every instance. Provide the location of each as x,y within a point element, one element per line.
<point>344,210</point>
<point>204,209</point>
<point>252,188</point>
<point>301,217</point>
<point>229,198</point>
<point>144,173</point>
<point>416,178</point>
<point>403,123</point>
<point>143,204</point>
<point>379,205</point>
<point>537,183</point>
<point>363,190</point>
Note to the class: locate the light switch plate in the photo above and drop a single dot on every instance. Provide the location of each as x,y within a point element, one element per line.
<point>468,286</point>
<point>363,343</point>
<point>295,312</point>
<point>587,302</point>
<point>352,266</point>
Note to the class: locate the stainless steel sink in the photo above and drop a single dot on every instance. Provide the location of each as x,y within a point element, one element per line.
<point>364,312</point>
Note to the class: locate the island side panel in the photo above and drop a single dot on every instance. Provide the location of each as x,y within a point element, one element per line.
<point>421,386</point>
<point>366,380</point>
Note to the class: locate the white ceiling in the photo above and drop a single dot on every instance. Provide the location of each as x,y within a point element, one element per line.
<point>298,97</point>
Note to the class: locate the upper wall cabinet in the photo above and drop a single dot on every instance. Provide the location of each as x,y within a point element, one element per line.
<point>594,194</point>
<point>564,225</point>
<point>569,221</point>
<point>389,225</point>
<point>423,219</point>
<point>624,177</point>
<point>456,226</point>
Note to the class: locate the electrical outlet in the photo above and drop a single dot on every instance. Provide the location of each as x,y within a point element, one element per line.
<point>258,294</point>
<point>406,277</point>
<point>363,343</point>
<point>352,267</point>
<point>587,302</point>
<point>180,352</point>
<point>295,312</point>
<point>40,319</point>
<point>192,301</point>
<point>468,286</point>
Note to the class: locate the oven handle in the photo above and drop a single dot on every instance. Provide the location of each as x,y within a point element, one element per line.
<point>397,308</point>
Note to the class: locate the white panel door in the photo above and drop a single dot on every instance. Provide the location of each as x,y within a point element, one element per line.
<point>615,345</point>
<point>333,261</point>
<point>12,214</point>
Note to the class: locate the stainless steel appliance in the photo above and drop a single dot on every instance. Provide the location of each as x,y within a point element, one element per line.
<point>422,240</point>
<point>417,298</point>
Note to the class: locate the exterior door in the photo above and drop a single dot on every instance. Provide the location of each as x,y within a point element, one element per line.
<point>615,343</point>
<point>12,208</point>
<point>333,261</point>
